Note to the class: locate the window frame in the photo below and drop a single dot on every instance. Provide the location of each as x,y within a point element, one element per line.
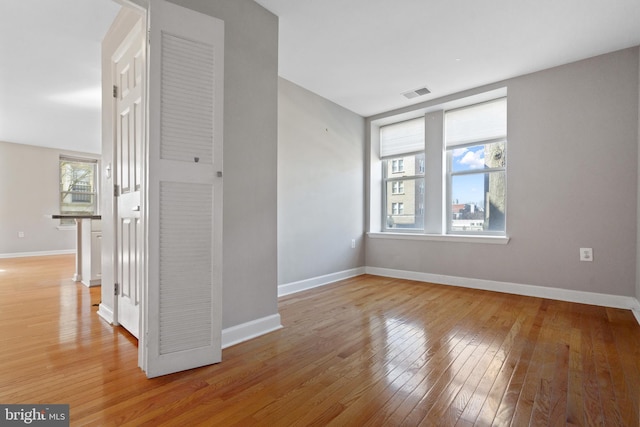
<point>397,208</point>
<point>450,174</point>
<point>386,180</point>
<point>399,141</point>
<point>62,193</point>
<point>435,209</point>
<point>397,165</point>
<point>397,187</point>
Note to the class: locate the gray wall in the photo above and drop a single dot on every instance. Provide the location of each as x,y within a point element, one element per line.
<point>29,191</point>
<point>572,182</point>
<point>250,157</point>
<point>320,186</point>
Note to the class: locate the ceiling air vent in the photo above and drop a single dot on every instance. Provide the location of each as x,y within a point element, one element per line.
<point>416,92</point>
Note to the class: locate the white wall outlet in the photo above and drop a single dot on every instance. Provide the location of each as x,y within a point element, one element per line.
<point>353,243</point>
<point>20,234</point>
<point>586,254</point>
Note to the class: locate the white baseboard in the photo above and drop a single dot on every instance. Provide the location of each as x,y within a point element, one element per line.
<point>40,253</point>
<point>91,283</point>
<point>105,313</point>
<point>314,282</point>
<point>246,331</point>
<point>230,336</point>
<point>605,300</point>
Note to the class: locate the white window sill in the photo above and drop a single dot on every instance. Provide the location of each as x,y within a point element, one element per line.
<point>453,238</point>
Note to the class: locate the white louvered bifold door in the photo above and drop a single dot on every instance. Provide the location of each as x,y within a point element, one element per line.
<point>184,266</point>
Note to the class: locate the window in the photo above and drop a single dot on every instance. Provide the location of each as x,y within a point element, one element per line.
<point>398,187</point>
<point>475,143</point>
<point>78,192</point>
<point>397,165</point>
<point>402,148</point>
<point>443,172</point>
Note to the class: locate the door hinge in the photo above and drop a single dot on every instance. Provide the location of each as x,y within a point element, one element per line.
<point>115,91</point>
<point>116,288</point>
<point>116,190</point>
<point>149,36</point>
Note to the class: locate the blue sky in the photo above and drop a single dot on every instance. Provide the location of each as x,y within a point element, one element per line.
<point>468,188</point>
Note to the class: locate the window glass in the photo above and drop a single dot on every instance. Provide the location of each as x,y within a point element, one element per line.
<point>404,193</point>
<point>476,145</point>
<point>463,190</point>
<point>397,166</point>
<point>478,202</point>
<point>478,156</point>
<point>78,193</point>
<point>397,187</point>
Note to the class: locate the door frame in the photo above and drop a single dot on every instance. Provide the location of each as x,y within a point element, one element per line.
<point>131,14</point>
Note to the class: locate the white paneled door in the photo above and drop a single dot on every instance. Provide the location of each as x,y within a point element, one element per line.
<point>182,310</point>
<point>128,73</point>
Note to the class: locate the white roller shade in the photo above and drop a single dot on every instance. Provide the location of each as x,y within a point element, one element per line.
<point>479,122</point>
<point>401,138</point>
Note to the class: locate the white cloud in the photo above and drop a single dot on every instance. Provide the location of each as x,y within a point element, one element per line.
<point>459,152</point>
<point>473,159</point>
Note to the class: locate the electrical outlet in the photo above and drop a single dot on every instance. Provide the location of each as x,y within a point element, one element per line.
<point>353,243</point>
<point>20,234</point>
<point>586,254</point>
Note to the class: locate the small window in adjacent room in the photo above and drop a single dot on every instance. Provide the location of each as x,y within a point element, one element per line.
<point>78,187</point>
<point>402,154</point>
<point>476,160</point>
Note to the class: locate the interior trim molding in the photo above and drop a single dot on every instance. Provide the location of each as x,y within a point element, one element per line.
<point>105,313</point>
<point>249,330</point>
<point>230,336</point>
<point>314,282</point>
<point>37,253</point>
<point>593,298</point>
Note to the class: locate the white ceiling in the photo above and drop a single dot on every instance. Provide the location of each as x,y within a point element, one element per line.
<point>50,71</point>
<point>361,54</point>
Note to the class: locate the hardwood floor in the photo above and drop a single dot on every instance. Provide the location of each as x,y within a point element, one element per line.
<point>365,351</point>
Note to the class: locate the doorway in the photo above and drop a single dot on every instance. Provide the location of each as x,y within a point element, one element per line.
<point>123,132</point>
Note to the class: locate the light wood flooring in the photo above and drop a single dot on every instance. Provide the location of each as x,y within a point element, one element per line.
<point>365,351</point>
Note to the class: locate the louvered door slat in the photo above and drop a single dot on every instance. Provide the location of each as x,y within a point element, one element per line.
<point>185,266</point>
<point>187,109</point>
